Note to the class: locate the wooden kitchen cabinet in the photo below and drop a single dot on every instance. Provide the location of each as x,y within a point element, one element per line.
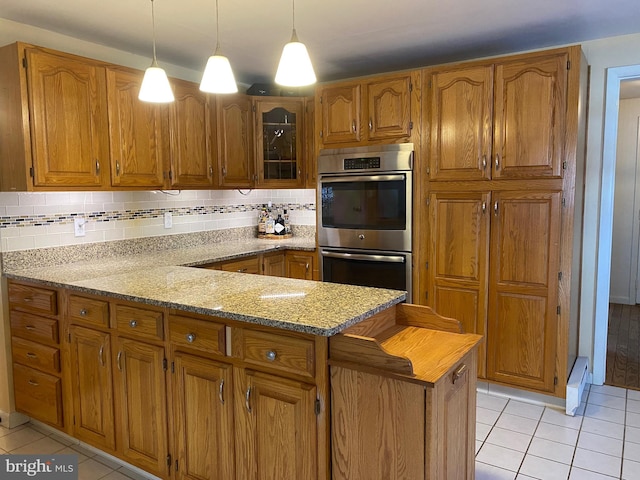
<point>192,140</point>
<point>301,265</point>
<point>309,144</point>
<point>378,109</point>
<point>55,132</point>
<point>276,430</point>
<point>500,120</point>
<point>279,142</point>
<point>137,132</point>
<point>274,264</point>
<point>235,144</point>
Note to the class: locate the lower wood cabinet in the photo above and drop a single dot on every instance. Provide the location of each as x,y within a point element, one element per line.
<point>301,265</point>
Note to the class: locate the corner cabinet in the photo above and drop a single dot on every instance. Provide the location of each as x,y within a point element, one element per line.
<point>504,145</point>
<point>383,109</point>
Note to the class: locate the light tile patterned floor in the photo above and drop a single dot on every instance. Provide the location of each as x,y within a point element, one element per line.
<point>514,441</point>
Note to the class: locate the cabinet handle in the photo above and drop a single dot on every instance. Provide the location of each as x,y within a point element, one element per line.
<point>83,312</point>
<point>221,390</point>
<point>353,126</point>
<point>484,162</point>
<point>459,372</point>
<point>484,207</point>
<point>497,161</point>
<point>101,355</point>
<point>97,167</point>
<point>29,327</point>
<point>495,208</point>
<point>31,355</point>
<point>118,168</point>
<point>370,124</point>
<point>271,355</point>
<point>27,299</point>
<point>133,323</point>
<point>242,270</point>
<point>191,337</point>
<point>210,171</point>
<point>247,396</point>
<point>224,172</point>
<point>306,267</point>
<point>118,360</point>
<point>34,383</point>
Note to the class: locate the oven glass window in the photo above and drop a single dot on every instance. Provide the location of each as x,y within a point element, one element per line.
<point>364,204</point>
<point>365,273</point>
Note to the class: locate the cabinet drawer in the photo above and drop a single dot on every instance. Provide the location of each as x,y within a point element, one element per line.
<point>88,311</point>
<point>243,265</point>
<point>38,394</point>
<point>139,322</point>
<point>35,355</point>
<point>33,327</point>
<point>197,334</point>
<point>279,352</point>
<point>35,299</point>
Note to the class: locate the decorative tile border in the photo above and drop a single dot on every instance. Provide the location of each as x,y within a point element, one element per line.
<point>17,221</point>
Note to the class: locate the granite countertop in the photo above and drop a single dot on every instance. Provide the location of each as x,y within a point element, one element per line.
<point>165,279</point>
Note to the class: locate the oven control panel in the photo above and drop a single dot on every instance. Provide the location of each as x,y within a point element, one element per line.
<point>361,163</point>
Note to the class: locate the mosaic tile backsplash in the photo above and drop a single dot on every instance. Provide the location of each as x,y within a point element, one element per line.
<point>40,220</point>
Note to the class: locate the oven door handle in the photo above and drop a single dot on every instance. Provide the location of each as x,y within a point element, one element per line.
<point>365,257</point>
<point>362,178</point>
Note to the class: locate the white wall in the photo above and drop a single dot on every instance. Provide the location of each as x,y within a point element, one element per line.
<point>624,252</point>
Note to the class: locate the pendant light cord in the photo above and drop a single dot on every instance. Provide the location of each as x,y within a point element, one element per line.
<point>153,34</point>
<point>217,29</point>
<point>293,14</point>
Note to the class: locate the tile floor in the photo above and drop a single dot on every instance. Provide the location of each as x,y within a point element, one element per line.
<point>514,441</point>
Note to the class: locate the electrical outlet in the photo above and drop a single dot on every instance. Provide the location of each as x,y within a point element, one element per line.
<point>168,220</point>
<point>79,226</point>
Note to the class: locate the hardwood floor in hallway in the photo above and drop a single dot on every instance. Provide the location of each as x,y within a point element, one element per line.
<point>623,346</point>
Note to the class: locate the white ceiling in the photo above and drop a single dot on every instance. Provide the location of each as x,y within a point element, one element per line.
<point>345,38</point>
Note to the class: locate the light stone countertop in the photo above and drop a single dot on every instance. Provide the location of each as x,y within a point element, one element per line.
<point>165,279</point>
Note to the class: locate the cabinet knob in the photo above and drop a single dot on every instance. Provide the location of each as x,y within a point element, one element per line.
<point>271,355</point>
<point>191,337</point>
<point>83,312</point>
<point>133,323</point>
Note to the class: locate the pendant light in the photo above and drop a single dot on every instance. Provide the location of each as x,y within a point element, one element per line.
<point>155,86</point>
<point>218,76</point>
<point>295,69</point>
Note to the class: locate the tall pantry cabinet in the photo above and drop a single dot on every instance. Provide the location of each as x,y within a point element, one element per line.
<point>503,144</point>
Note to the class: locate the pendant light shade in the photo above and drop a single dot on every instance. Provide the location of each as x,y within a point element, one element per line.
<point>155,86</point>
<point>295,69</point>
<point>218,76</point>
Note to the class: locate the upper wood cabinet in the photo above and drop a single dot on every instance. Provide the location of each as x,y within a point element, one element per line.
<point>54,134</point>
<point>309,144</point>
<point>376,110</point>
<point>234,126</point>
<point>136,133</point>
<point>279,137</point>
<point>499,120</point>
<point>192,131</point>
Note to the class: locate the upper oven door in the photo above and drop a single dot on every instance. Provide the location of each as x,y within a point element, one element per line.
<point>369,211</point>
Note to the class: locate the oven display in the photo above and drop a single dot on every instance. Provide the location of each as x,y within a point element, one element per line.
<point>361,163</point>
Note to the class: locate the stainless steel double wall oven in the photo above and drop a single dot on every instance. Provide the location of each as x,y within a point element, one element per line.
<point>365,198</point>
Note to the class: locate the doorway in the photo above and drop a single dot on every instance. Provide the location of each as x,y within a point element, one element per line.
<point>615,76</point>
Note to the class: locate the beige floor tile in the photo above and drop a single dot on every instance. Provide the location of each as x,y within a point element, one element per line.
<point>92,470</point>
<point>45,445</point>
<point>71,451</point>
<point>19,439</point>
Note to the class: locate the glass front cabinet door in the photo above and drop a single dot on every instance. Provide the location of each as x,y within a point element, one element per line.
<point>279,142</point>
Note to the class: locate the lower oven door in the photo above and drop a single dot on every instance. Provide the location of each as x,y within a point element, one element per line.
<point>369,268</point>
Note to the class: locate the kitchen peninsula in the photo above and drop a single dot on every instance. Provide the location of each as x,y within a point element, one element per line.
<point>197,373</point>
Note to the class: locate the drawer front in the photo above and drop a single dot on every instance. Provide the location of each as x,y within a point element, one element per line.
<point>38,394</point>
<point>88,311</point>
<point>35,355</point>
<point>244,265</point>
<point>191,333</point>
<point>139,322</point>
<point>35,299</point>
<point>279,352</point>
<point>33,327</point>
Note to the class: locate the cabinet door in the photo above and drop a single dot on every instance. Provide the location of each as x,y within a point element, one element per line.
<point>203,406</point>
<point>191,123</point>
<point>67,108</point>
<point>235,141</point>
<point>377,427</point>
<point>341,112</point>
<point>460,104</point>
<point>279,135</point>
<point>136,133</point>
<point>458,259</point>
<point>92,387</point>
<point>309,144</point>
<point>529,126</point>
<point>140,384</point>
<point>276,430</point>
<point>274,265</point>
<point>300,265</point>
<point>523,286</point>
<point>389,108</point>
